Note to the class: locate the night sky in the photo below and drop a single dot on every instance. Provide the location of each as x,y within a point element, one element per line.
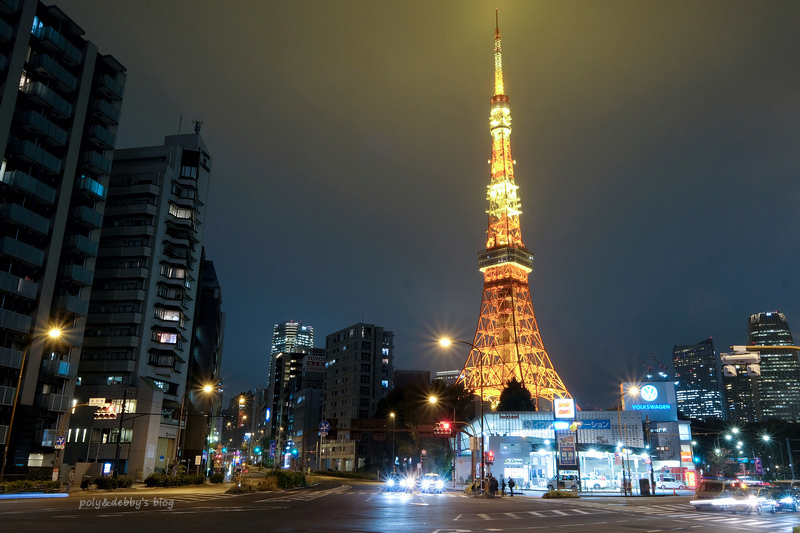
<point>657,148</point>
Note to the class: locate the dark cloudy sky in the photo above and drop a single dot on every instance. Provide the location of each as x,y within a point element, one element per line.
<point>657,147</point>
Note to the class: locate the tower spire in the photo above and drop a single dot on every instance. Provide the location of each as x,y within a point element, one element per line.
<point>507,341</point>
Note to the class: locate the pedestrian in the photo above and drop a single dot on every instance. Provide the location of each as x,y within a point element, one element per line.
<point>494,485</point>
<point>70,479</point>
<point>503,487</point>
<point>511,485</point>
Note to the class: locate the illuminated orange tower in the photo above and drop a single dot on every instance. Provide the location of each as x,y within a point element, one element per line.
<point>507,341</point>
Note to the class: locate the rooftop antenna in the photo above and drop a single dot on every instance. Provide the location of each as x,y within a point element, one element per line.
<point>197,125</point>
<point>180,122</point>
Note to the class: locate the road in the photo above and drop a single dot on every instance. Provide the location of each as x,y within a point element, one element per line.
<point>334,505</point>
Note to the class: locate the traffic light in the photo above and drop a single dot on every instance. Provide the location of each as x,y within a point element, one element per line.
<point>257,450</point>
<point>224,450</point>
<point>106,412</point>
<point>441,428</point>
<point>488,457</point>
<point>294,452</point>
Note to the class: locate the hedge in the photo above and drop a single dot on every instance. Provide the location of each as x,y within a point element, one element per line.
<point>110,483</point>
<point>164,480</point>
<point>29,485</point>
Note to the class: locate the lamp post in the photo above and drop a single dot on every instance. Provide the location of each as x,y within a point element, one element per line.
<point>633,391</point>
<point>447,342</point>
<point>392,416</point>
<point>53,333</point>
<point>178,448</point>
<point>433,400</point>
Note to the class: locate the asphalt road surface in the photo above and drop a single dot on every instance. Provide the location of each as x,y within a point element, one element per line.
<point>334,505</point>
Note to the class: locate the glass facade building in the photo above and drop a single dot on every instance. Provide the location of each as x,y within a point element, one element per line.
<point>698,378</point>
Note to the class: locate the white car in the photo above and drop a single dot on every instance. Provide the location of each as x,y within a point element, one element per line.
<point>594,483</point>
<point>670,483</point>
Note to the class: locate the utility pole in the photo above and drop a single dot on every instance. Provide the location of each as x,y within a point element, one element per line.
<point>119,433</point>
<point>791,463</point>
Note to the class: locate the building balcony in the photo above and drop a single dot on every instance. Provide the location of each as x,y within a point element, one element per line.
<point>52,40</point>
<point>24,182</point>
<point>96,162</point>
<point>136,295</point>
<point>91,188</point>
<point>38,125</point>
<point>16,285</point>
<point>126,251</point>
<point>10,358</point>
<point>7,395</point>
<point>59,403</point>
<point>108,367</point>
<point>43,95</point>
<point>119,273</point>
<point>101,137</point>
<point>139,209</point>
<point>87,216</point>
<point>48,67</point>
<point>128,231</point>
<point>3,429</point>
<point>77,274</point>
<point>16,215</point>
<point>15,321</point>
<point>71,304</point>
<point>60,369</point>
<point>105,112</point>
<point>128,341</point>
<point>35,155</point>
<point>26,253</point>
<point>82,245</point>
<point>6,31</point>
<point>110,88</point>
<point>7,7</point>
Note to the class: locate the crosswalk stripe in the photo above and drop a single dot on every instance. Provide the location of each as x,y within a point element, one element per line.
<point>579,511</point>
<point>562,513</point>
<point>534,513</point>
<point>512,515</point>
<point>485,516</point>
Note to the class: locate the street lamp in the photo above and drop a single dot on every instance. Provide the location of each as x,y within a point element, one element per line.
<point>394,469</point>
<point>445,342</point>
<point>53,334</point>
<point>206,389</point>
<point>633,391</point>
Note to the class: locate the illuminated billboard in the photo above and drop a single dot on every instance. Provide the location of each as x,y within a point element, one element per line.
<point>564,407</point>
<point>654,399</point>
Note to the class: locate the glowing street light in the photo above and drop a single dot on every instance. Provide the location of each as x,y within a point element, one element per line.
<point>54,334</point>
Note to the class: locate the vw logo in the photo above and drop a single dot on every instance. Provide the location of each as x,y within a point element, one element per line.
<point>649,393</point>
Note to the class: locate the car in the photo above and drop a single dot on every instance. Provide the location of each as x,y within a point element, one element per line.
<point>594,483</point>
<point>788,499</point>
<point>713,493</point>
<point>395,483</point>
<point>752,499</point>
<point>564,481</point>
<point>667,482</point>
<point>432,483</point>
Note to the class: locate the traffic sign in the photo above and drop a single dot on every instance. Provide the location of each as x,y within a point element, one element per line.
<point>324,427</point>
<point>97,402</point>
<point>60,442</point>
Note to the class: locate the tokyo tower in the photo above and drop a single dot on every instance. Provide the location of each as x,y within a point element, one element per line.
<point>507,341</point>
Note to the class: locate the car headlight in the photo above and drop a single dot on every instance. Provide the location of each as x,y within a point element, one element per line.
<point>440,484</point>
<point>390,483</point>
<point>404,483</point>
<point>788,499</point>
<point>425,484</point>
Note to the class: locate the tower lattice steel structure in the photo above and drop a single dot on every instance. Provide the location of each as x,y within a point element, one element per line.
<point>507,341</point>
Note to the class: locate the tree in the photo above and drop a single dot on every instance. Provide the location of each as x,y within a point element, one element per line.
<point>515,397</point>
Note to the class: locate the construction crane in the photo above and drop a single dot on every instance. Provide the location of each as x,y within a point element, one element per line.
<point>663,373</point>
<point>648,367</point>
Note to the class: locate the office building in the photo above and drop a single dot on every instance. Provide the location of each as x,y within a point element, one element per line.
<point>448,376</point>
<point>292,337</point>
<point>779,383</point>
<point>59,109</point>
<point>359,373</point>
<point>141,315</point>
<point>291,341</point>
<point>698,381</point>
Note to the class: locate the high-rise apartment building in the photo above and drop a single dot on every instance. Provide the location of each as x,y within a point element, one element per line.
<point>698,378</point>
<point>142,311</point>
<point>360,369</point>
<point>59,108</point>
<point>779,383</point>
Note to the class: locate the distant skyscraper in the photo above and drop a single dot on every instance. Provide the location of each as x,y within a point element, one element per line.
<point>699,381</point>
<point>779,383</point>
<point>290,342</point>
<point>60,105</point>
<point>292,337</point>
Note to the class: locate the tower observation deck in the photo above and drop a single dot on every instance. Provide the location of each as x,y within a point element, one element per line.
<point>507,340</point>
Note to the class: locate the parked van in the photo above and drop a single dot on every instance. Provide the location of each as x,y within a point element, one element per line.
<point>713,493</point>
<point>667,482</point>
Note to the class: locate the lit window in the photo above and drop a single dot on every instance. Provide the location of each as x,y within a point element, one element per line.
<point>166,338</point>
